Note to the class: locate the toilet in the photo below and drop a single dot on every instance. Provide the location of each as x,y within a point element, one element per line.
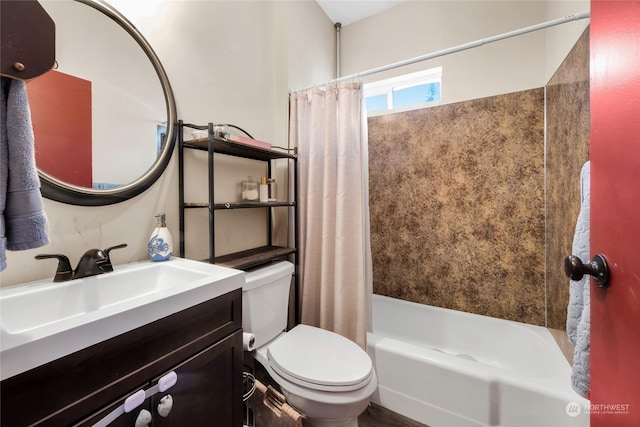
<point>325,376</point>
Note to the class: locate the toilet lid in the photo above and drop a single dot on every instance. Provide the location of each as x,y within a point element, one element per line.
<point>319,359</point>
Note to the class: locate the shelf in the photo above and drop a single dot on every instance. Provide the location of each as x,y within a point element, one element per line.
<point>240,205</point>
<point>244,205</point>
<point>211,144</point>
<point>236,149</point>
<point>253,257</point>
<point>196,205</point>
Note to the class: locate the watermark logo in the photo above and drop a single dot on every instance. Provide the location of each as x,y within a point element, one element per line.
<point>607,408</point>
<point>573,409</point>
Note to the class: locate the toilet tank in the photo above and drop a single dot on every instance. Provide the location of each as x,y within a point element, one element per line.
<point>265,301</point>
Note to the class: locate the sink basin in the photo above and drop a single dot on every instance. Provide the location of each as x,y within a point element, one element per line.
<point>36,305</point>
<point>42,321</point>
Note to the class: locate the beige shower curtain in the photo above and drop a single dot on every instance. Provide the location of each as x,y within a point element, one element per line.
<point>328,127</point>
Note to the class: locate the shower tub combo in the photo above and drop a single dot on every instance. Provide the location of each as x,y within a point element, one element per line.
<point>450,368</point>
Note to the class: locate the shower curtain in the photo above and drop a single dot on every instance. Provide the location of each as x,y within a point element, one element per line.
<point>328,127</point>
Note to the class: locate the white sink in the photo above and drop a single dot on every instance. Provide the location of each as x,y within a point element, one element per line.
<point>42,321</point>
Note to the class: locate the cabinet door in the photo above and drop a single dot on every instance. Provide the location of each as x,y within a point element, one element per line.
<point>208,391</point>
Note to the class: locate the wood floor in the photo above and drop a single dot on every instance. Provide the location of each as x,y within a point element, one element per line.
<point>377,416</point>
<point>374,416</point>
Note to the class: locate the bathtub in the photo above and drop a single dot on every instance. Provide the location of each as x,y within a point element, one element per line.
<point>450,368</point>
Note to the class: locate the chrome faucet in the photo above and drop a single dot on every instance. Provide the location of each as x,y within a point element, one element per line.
<point>93,262</point>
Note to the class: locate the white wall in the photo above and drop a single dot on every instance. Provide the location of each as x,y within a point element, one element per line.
<point>415,28</point>
<point>228,62</point>
<point>309,65</point>
<point>560,40</point>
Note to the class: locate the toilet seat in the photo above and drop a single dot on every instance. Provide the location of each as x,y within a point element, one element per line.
<point>319,359</point>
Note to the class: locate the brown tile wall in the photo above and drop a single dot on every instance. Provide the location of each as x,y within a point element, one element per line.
<point>567,150</point>
<point>457,199</point>
<point>457,205</point>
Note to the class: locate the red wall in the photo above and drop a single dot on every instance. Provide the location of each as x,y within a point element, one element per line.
<point>61,114</point>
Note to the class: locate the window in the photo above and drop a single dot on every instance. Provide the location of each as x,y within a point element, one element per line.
<point>407,92</point>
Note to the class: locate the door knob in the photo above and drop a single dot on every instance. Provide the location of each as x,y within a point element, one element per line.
<point>598,268</point>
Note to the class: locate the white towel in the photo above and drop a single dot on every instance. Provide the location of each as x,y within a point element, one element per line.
<point>578,311</point>
<point>23,222</point>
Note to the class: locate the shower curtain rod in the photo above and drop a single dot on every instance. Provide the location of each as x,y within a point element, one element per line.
<point>465,46</point>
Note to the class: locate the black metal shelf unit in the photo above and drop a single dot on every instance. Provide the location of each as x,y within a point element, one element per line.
<point>213,145</point>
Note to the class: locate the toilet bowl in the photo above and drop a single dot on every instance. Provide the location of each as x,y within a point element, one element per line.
<point>325,376</point>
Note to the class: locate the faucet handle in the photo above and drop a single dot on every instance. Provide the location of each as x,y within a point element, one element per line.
<point>120,246</point>
<point>64,271</point>
<point>107,266</point>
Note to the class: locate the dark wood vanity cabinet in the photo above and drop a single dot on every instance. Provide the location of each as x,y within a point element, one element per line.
<point>204,398</point>
<point>202,345</point>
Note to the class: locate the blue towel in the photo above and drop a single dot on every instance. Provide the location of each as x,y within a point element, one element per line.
<point>578,311</point>
<point>23,222</point>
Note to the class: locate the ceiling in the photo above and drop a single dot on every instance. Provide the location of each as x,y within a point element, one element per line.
<point>348,11</point>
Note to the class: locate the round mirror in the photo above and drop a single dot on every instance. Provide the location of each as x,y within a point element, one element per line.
<point>104,119</point>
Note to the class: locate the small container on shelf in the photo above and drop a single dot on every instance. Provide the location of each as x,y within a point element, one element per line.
<point>199,134</point>
<point>264,190</point>
<point>249,190</point>
<point>272,190</point>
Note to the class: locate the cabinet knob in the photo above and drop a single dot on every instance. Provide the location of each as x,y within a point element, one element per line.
<point>144,419</point>
<point>165,405</point>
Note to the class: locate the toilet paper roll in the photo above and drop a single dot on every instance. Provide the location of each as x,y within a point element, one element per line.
<point>248,341</point>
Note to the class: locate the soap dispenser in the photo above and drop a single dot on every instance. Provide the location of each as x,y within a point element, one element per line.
<point>160,242</point>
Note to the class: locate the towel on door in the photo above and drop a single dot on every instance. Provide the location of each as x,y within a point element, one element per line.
<point>578,311</point>
<point>23,222</point>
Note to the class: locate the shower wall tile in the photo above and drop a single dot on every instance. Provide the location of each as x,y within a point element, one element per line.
<point>568,116</point>
<point>457,206</point>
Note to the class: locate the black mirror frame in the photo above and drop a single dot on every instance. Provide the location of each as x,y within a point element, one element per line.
<point>60,191</point>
